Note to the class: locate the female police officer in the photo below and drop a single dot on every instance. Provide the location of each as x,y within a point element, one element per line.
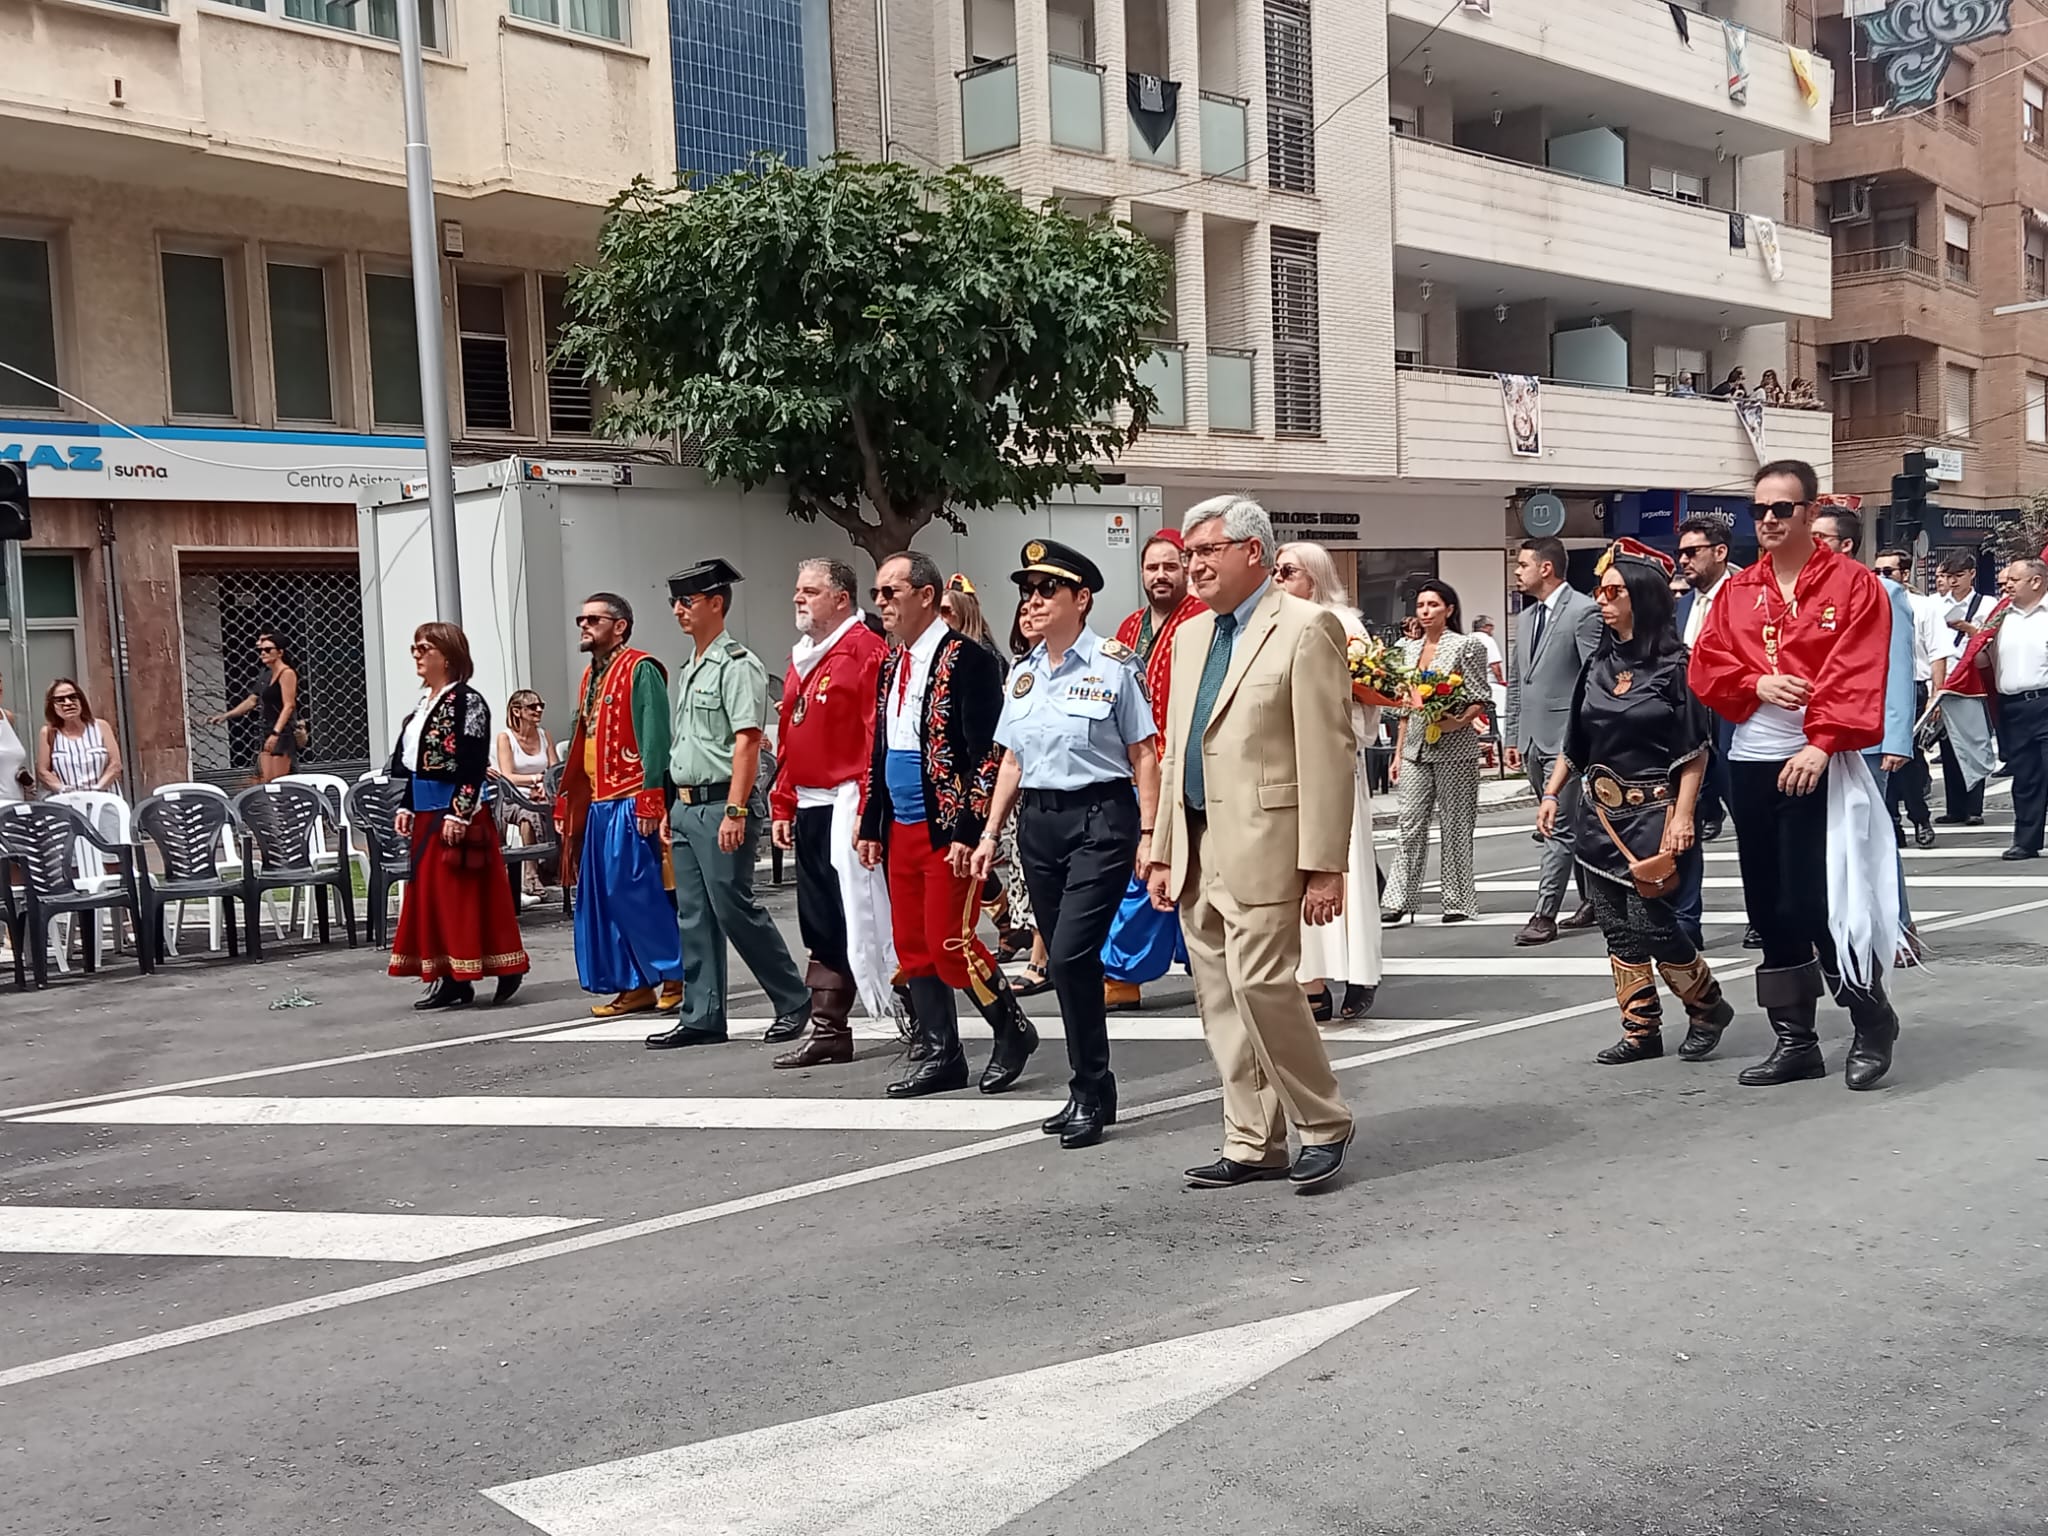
<point>1076,731</point>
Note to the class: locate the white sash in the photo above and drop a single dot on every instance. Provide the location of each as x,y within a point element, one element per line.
<point>1863,873</point>
<point>864,897</point>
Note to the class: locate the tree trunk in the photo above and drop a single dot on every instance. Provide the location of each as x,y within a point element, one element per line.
<point>890,535</point>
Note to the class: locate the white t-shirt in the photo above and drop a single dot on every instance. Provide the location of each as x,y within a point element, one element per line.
<point>1771,735</point>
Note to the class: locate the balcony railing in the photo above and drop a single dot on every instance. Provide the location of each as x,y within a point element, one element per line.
<point>1884,259</point>
<point>1231,371</point>
<point>1076,103</point>
<point>1165,373</point>
<point>988,108</point>
<point>1891,424</point>
<point>1224,136</point>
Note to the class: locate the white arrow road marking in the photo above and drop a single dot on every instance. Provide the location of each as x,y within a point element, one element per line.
<point>1121,1027</point>
<point>681,1114</point>
<point>961,1461</point>
<point>184,1232</point>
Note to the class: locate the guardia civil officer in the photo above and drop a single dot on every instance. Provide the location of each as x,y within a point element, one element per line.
<point>1081,756</point>
<point>714,765</point>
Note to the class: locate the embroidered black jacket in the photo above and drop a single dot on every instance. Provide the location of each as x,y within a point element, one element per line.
<point>963,698</point>
<point>455,748</point>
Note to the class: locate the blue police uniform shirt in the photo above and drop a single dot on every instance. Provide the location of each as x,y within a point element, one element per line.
<point>1074,725</point>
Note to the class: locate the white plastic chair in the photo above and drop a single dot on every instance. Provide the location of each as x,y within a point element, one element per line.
<point>110,817</point>
<point>230,867</point>
<point>335,789</point>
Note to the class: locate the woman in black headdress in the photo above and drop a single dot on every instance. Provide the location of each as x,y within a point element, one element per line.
<point>1638,739</point>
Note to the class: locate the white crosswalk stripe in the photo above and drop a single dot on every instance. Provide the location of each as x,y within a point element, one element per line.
<point>1121,1027</point>
<point>187,1232</point>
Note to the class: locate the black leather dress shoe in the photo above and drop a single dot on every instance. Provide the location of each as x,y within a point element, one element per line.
<point>507,985</point>
<point>446,994</point>
<point>1538,930</point>
<point>686,1034</point>
<point>1319,1164</point>
<point>1105,1101</point>
<point>945,1073</point>
<point>1584,917</point>
<point>1085,1129</point>
<point>1751,939</point>
<point>2015,854</point>
<point>788,1026</point>
<point>1228,1173</point>
<point>1710,829</point>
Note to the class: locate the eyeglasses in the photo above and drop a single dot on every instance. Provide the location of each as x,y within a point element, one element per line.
<point>1781,511</point>
<point>1287,571</point>
<point>420,647</point>
<point>1211,550</point>
<point>592,618</point>
<point>1047,587</point>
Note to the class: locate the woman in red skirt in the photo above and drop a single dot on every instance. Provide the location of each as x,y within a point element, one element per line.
<point>458,922</point>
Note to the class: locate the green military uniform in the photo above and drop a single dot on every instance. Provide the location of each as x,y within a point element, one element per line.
<point>717,695</point>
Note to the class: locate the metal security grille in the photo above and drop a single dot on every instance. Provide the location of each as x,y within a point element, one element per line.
<point>316,605</point>
<point>1290,97</point>
<point>1297,334</point>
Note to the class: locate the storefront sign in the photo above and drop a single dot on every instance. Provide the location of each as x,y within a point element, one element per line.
<point>1967,525</point>
<point>107,463</point>
<point>575,473</point>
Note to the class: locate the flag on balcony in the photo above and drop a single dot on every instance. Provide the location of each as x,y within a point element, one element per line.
<point>1802,71</point>
<point>1153,102</point>
<point>1678,20</point>
<point>1767,244</point>
<point>1522,406</point>
<point>1738,62</point>
<point>1749,410</point>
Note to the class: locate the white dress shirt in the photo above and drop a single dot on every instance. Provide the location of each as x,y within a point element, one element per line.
<point>1930,633</point>
<point>905,710</point>
<point>1702,604</point>
<point>2023,649</point>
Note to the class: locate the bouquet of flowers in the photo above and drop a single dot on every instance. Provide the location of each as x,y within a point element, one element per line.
<point>1379,676</point>
<point>1433,696</point>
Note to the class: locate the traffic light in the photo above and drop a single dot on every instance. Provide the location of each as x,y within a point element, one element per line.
<point>14,500</point>
<point>1909,494</point>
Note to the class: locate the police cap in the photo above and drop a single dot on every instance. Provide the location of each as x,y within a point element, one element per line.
<point>1045,557</point>
<point>704,576</point>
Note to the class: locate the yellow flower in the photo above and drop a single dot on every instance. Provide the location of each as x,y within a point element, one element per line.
<point>1425,690</point>
<point>1457,678</point>
<point>1432,733</point>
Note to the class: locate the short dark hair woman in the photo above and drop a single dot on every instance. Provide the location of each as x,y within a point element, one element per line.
<point>1638,739</point>
<point>278,699</point>
<point>1436,764</point>
<point>458,922</point>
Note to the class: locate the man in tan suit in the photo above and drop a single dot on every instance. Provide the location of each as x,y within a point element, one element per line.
<point>1253,836</point>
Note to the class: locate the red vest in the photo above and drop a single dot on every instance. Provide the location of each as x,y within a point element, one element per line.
<point>620,773</point>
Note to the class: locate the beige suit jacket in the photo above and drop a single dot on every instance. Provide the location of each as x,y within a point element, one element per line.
<point>1277,757</point>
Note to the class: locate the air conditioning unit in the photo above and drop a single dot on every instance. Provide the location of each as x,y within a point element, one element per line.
<point>1851,360</point>
<point>1849,202</point>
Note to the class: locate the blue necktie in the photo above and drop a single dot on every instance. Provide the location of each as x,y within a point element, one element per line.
<point>1206,694</point>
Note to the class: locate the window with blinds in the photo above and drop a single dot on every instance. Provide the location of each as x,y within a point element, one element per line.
<point>1955,234</point>
<point>1408,333</point>
<point>1958,399</point>
<point>2037,408</point>
<point>572,401</point>
<point>1297,335</point>
<point>2034,111</point>
<point>486,349</point>
<point>2034,261</point>
<point>1670,365</point>
<point>1290,97</point>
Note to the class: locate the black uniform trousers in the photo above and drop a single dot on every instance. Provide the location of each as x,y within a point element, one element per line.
<point>820,915</point>
<point>1077,847</point>
<point>2023,740</point>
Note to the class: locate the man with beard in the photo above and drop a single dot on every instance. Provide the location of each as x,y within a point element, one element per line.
<point>1144,941</point>
<point>929,780</point>
<point>827,736</point>
<point>610,813</point>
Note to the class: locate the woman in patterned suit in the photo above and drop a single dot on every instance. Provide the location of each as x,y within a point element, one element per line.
<point>458,923</point>
<point>1439,777</point>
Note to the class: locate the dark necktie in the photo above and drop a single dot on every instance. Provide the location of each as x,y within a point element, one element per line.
<point>1206,694</point>
<point>1536,632</point>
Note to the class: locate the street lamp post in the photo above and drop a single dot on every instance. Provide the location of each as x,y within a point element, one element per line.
<point>426,303</point>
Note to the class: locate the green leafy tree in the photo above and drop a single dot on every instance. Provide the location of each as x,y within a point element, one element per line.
<point>2027,536</point>
<point>924,344</point>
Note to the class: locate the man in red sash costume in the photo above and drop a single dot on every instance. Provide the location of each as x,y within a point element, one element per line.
<point>827,740</point>
<point>1144,941</point>
<point>1795,653</point>
<point>611,811</point>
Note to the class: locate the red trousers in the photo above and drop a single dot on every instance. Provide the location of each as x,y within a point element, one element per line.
<point>934,912</point>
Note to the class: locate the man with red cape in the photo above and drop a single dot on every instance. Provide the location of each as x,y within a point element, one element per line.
<point>1795,652</point>
<point>1144,942</point>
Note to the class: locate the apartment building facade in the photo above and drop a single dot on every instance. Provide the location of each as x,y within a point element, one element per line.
<point>1940,220</point>
<point>1374,212</point>
<point>203,239</point>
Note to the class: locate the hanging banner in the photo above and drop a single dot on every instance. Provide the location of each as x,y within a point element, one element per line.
<point>1767,244</point>
<point>1678,20</point>
<point>1802,71</point>
<point>1749,410</point>
<point>1917,40</point>
<point>1522,405</point>
<point>1738,62</point>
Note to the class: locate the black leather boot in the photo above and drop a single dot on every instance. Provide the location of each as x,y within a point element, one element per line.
<point>915,1047</point>
<point>1789,996</point>
<point>1016,1036</point>
<point>1707,1009</point>
<point>1877,1027</point>
<point>943,1069</point>
<point>1104,1109</point>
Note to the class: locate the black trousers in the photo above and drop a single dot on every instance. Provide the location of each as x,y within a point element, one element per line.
<point>1908,786</point>
<point>820,915</point>
<point>1713,800</point>
<point>2023,738</point>
<point>1783,855</point>
<point>1962,801</point>
<point>1077,847</point>
<point>1638,927</point>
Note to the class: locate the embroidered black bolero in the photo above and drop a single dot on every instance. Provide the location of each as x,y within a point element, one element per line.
<point>963,699</point>
<point>455,749</point>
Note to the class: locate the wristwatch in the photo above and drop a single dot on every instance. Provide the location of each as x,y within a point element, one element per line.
<point>735,813</point>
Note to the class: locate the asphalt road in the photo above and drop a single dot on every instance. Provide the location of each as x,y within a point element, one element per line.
<point>348,1267</point>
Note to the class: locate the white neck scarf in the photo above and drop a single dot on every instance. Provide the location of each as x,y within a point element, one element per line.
<point>807,653</point>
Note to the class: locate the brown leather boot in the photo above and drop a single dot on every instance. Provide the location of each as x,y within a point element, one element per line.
<point>1642,1014</point>
<point>831,1036</point>
<point>1707,1011</point>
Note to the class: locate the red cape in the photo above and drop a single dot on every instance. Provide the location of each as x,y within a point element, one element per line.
<point>1160,664</point>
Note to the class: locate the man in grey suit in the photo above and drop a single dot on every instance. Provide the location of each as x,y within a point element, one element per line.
<point>1559,628</point>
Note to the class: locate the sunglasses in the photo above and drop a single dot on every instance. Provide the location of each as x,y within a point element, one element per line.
<point>888,594</point>
<point>1695,552</point>
<point>1287,570</point>
<point>64,698</point>
<point>420,647</point>
<point>592,618</point>
<point>1611,590</point>
<point>266,650</point>
<point>1780,510</point>
<point>1047,587</point>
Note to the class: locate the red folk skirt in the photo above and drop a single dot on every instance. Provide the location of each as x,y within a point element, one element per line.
<point>458,919</point>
